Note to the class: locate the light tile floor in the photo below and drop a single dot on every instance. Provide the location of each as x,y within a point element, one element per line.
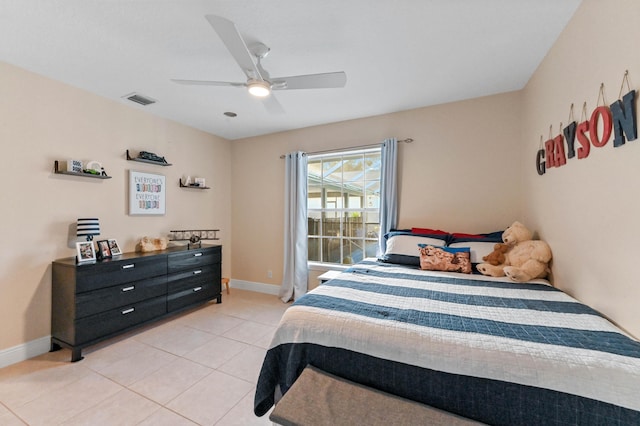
<point>199,367</point>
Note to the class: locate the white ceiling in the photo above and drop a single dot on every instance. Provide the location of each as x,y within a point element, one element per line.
<point>397,55</point>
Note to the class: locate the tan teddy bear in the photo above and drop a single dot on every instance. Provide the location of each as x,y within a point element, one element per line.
<point>525,260</point>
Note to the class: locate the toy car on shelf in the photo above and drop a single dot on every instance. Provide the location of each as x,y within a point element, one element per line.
<point>145,155</point>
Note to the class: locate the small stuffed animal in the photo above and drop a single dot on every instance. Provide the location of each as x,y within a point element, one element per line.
<point>496,257</point>
<point>152,244</point>
<point>525,260</point>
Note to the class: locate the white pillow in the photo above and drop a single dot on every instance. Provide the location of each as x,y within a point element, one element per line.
<point>404,250</point>
<point>408,244</point>
<point>479,249</point>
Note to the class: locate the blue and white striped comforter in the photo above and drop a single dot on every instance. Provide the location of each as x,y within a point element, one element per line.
<point>495,351</point>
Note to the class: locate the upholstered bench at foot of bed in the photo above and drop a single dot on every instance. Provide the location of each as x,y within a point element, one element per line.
<point>319,398</point>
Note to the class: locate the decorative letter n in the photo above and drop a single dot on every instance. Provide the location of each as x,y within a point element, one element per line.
<point>624,119</point>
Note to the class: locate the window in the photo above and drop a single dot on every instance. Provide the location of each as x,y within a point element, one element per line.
<point>343,204</point>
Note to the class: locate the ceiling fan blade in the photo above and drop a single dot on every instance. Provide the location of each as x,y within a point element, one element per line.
<point>234,42</point>
<point>272,105</point>
<point>209,83</point>
<point>328,80</point>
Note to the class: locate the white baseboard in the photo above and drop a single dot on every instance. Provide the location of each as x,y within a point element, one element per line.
<point>25,351</point>
<point>255,286</point>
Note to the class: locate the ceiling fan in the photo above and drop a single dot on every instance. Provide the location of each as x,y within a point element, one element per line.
<point>259,82</point>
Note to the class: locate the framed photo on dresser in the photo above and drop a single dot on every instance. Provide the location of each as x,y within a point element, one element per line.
<point>104,252</point>
<point>85,251</point>
<point>114,247</point>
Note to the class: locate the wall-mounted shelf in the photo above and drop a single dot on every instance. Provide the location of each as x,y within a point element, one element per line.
<point>144,160</point>
<point>57,171</point>
<point>182,185</point>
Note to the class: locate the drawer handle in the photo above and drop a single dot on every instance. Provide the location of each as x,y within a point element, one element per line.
<point>128,311</point>
<point>197,272</point>
<point>197,289</point>
<point>197,254</point>
<point>128,288</point>
<point>129,266</point>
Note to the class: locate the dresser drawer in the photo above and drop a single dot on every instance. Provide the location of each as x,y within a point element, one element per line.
<point>194,259</point>
<point>93,302</point>
<point>107,274</point>
<point>191,296</point>
<point>96,326</point>
<point>182,280</point>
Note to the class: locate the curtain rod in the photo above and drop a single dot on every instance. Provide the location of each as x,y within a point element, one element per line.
<point>407,140</point>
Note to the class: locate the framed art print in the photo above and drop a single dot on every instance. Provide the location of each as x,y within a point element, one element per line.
<point>147,193</point>
<point>114,247</point>
<point>85,251</point>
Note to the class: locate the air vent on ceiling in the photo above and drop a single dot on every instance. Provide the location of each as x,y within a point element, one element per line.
<point>139,99</point>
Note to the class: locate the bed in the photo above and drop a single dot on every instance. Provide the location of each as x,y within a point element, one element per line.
<point>480,347</point>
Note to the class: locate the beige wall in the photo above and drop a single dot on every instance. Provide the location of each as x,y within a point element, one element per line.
<point>459,174</point>
<point>42,120</point>
<point>588,210</point>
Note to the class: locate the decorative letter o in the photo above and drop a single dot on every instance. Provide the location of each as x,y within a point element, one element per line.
<point>605,113</point>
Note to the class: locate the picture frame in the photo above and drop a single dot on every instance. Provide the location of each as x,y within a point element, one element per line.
<point>85,251</point>
<point>147,193</point>
<point>104,252</point>
<point>114,247</point>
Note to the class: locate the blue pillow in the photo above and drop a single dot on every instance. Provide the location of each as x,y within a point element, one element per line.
<point>450,249</point>
<point>490,237</point>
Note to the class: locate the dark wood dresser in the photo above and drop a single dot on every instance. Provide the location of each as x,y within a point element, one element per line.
<point>96,301</point>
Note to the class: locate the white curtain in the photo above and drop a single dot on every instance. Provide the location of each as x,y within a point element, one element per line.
<point>388,191</point>
<point>296,271</point>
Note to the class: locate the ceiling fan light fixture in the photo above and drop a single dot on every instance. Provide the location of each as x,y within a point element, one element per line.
<point>259,88</point>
